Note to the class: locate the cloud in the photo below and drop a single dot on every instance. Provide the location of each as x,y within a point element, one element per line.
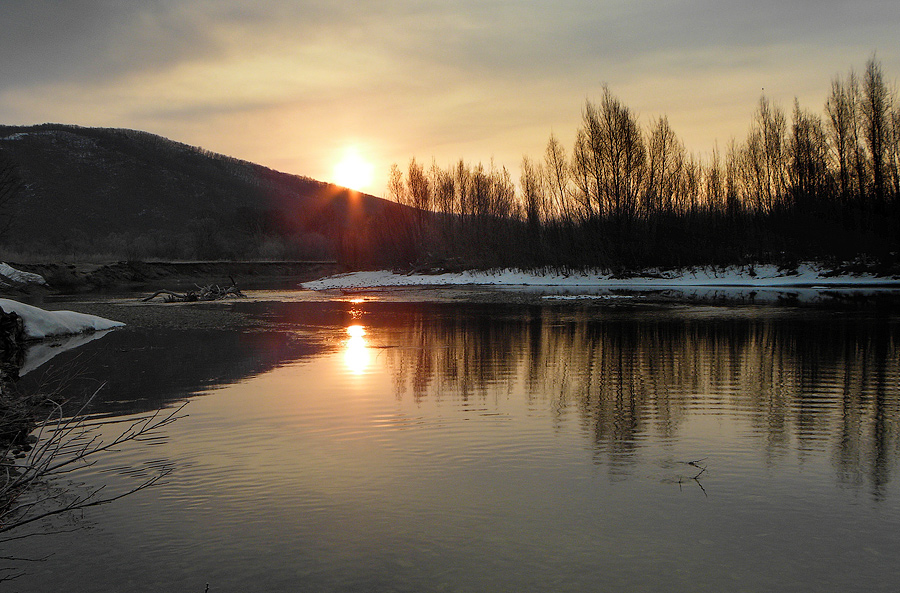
<point>91,41</point>
<point>453,79</point>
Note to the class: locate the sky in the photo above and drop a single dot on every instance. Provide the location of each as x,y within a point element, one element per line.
<point>296,84</point>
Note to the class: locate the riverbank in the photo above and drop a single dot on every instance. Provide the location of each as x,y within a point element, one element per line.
<point>176,275</point>
<point>804,283</point>
<point>761,276</point>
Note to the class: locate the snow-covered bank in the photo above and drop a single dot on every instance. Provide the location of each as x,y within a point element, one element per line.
<point>40,324</point>
<point>9,274</point>
<point>767,276</point>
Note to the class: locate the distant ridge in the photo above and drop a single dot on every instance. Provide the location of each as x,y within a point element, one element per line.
<point>137,195</point>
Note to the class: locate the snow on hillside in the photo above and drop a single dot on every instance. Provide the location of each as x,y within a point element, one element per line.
<point>767,276</point>
<point>41,324</point>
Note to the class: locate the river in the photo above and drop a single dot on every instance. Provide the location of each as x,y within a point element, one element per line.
<point>369,444</point>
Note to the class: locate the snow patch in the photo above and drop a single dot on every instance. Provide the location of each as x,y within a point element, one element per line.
<point>584,297</point>
<point>19,276</point>
<point>40,324</point>
<point>765,276</point>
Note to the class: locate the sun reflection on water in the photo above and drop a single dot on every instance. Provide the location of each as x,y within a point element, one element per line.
<point>356,355</point>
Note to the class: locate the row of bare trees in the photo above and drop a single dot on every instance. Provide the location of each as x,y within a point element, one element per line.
<point>800,185</point>
<point>457,212</point>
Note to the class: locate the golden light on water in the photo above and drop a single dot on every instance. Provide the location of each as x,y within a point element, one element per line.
<point>357,356</point>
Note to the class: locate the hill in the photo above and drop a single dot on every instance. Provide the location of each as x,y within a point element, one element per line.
<point>131,194</point>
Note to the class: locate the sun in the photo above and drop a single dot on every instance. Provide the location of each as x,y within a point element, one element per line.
<point>353,171</point>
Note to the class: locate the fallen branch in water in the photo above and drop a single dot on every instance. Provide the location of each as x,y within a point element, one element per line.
<point>696,478</point>
<point>211,292</point>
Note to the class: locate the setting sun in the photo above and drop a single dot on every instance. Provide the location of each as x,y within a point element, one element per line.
<point>353,171</point>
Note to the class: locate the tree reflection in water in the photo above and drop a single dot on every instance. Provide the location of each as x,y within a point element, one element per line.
<point>807,381</point>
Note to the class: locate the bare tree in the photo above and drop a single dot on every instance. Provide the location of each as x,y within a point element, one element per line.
<point>715,182</point>
<point>773,127</point>
<point>692,186</point>
<point>558,173</point>
<point>443,188</point>
<point>397,187</point>
<point>751,168</point>
<point>503,194</point>
<point>665,167</point>
<point>462,180</point>
<point>610,158</point>
<point>764,158</point>
<point>733,198</point>
<point>876,106</point>
<point>588,179</point>
<point>533,200</point>
<point>809,174</point>
<point>894,152</point>
<point>860,165</point>
<point>840,114</point>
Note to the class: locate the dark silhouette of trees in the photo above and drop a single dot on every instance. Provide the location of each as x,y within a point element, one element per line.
<point>810,179</point>
<point>804,185</point>
<point>876,122</point>
<point>10,186</point>
<point>610,160</point>
<point>534,202</point>
<point>841,120</point>
<point>558,180</point>
<point>665,170</point>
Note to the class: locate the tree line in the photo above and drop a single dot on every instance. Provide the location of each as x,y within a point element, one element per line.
<point>801,185</point>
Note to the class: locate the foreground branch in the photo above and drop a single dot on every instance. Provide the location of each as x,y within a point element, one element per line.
<point>65,444</point>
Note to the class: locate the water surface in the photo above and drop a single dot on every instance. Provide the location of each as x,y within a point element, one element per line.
<point>485,447</point>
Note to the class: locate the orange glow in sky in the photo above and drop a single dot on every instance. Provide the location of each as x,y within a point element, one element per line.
<point>291,85</point>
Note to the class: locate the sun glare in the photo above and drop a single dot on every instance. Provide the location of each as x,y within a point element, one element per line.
<point>353,171</point>
<point>356,354</point>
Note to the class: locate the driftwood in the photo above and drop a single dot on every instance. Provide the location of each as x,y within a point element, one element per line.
<point>696,463</point>
<point>211,292</point>
<point>432,265</point>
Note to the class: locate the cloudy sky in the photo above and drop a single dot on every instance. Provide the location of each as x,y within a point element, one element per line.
<point>292,84</point>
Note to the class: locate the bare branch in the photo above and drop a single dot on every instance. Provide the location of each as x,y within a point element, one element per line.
<point>67,444</point>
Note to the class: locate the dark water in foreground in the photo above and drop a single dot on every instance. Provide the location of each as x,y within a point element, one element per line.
<point>496,448</point>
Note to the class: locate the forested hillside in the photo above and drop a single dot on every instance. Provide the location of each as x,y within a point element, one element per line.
<point>88,192</point>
